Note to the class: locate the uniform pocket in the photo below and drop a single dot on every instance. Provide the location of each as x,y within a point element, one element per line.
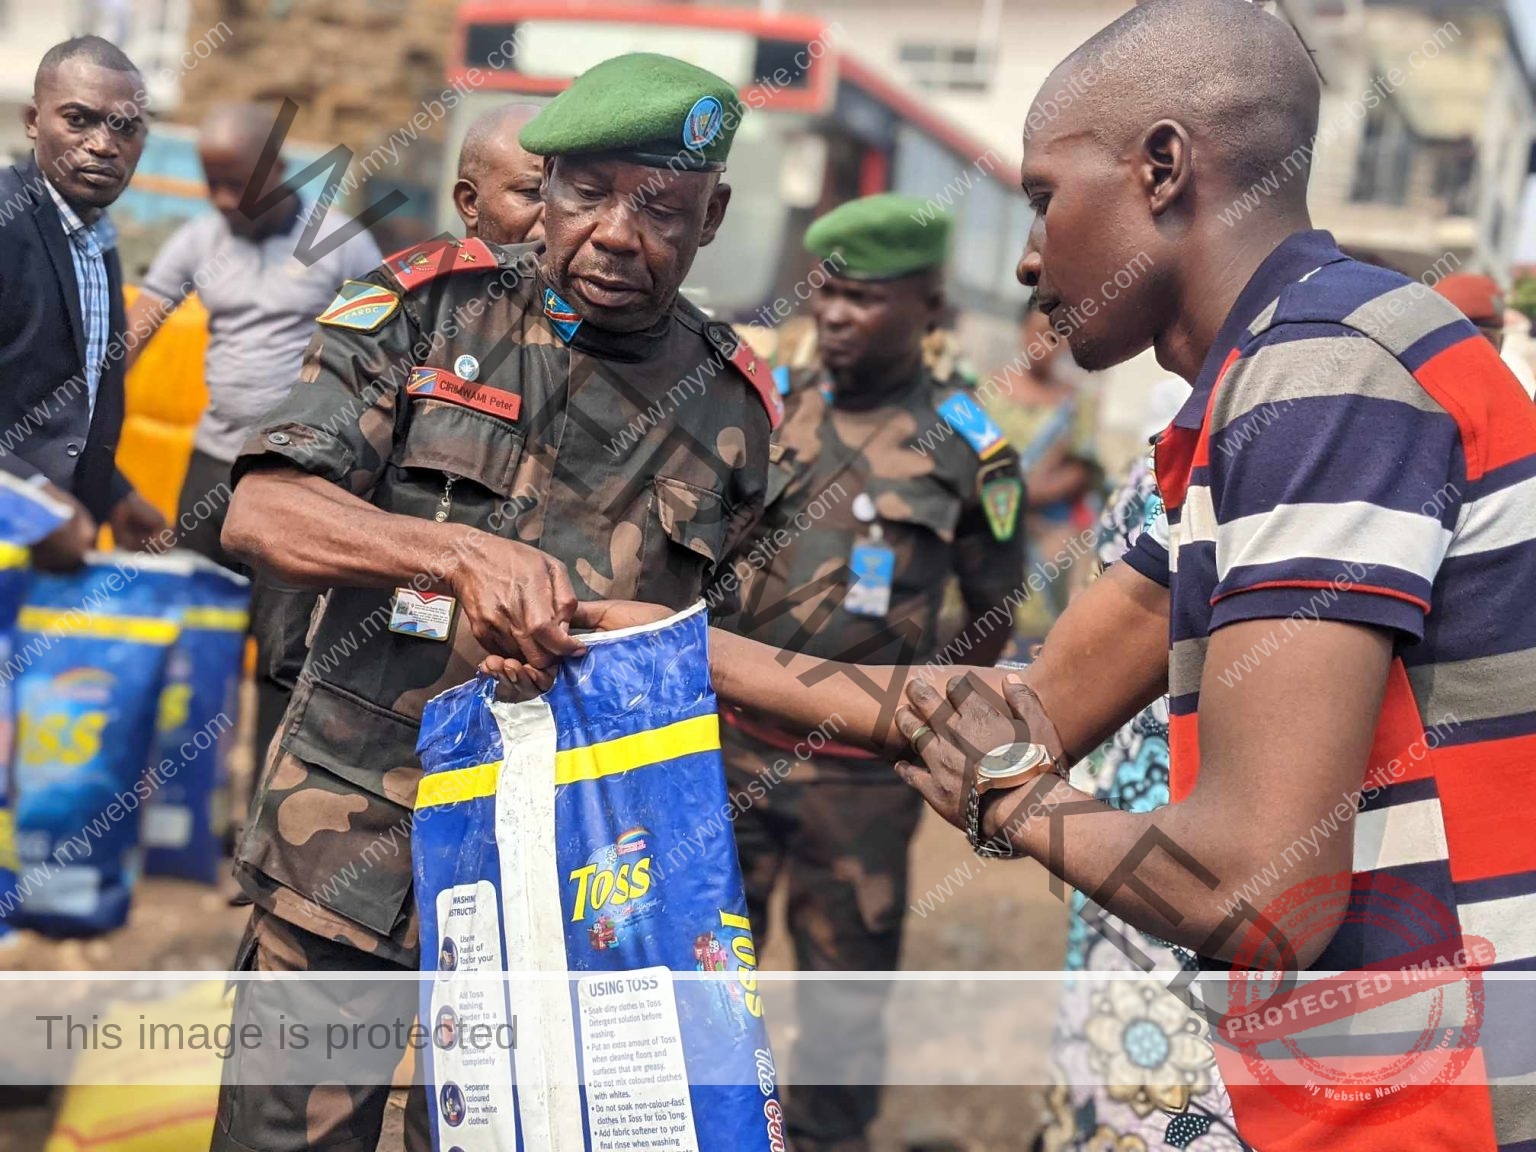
<point>462,442</point>
<point>335,811</point>
<point>691,517</point>
<point>682,539</point>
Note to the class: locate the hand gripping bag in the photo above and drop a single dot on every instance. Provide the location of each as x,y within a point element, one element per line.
<point>93,644</point>
<point>195,732</point>
<point>27,515</point>
<point>576,842</point>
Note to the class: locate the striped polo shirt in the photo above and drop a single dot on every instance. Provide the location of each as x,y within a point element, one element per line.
<point>1353,450</point>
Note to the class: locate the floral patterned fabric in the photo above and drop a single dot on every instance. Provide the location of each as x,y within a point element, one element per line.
<point>1133,1067</point>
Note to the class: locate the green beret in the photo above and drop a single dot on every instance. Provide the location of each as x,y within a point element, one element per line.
<point>881,237</point>
<point>643,108</point>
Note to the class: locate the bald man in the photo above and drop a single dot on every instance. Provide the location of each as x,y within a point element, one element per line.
<point>1345,577</point>
<point>497,192</point>
<point>262,302</point>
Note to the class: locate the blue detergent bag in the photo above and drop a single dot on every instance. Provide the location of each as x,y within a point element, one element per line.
<point>26,516</point>
<point>580,833</point>
<point>96,642</point>
<point>186,812</point>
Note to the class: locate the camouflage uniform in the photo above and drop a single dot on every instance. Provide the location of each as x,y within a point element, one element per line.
<point>838,825</point>
<point>567,441</point>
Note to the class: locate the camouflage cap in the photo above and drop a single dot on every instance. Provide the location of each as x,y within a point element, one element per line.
<point>881,237</point>
<point>643,108</point>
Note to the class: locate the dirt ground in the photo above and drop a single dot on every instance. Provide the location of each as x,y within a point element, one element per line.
<point>1003,918</point>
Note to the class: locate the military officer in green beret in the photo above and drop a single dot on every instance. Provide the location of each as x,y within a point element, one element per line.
<point>484,435</point>
<point>887,482</point>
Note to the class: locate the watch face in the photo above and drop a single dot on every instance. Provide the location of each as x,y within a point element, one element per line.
<point>1017,760</point>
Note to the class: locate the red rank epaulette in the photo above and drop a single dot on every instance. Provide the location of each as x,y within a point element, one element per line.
<point>755,369</point>
<point>417,265</point>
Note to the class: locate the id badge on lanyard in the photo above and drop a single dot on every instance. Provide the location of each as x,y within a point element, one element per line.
<point>874,566</point>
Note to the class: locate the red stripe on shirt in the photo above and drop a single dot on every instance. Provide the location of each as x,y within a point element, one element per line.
<point>1373,588</point>
<point>1496,417</point>
<point>1487,829</point>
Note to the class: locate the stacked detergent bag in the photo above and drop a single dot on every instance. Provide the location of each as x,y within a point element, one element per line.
<point>560,836</point>
<point>98,643</point>
<point>185,815</point>
<point>26,516</point>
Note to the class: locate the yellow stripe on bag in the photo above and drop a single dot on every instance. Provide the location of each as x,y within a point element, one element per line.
<point>626,753</point>
<point>76,622</point>
<point>216,619</point>
<point>14,555</point>
<point>609,758</point>
<point>457,784</point>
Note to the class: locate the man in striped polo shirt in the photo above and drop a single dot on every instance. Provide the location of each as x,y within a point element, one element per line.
<point>1347,585</point>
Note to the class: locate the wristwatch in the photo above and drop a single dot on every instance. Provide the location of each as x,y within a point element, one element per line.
<point>1003,768</point>
<point>1009,766</point>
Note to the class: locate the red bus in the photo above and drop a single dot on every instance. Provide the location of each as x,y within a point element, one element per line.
<point>821,128</point>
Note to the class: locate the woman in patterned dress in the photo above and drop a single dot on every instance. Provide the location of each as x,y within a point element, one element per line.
<point>1133,1067</point>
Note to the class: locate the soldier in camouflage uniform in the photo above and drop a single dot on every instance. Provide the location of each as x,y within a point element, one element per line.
<point>484,435</point>
<point>883,473</point>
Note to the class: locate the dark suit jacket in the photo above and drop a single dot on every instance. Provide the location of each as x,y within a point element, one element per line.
<point>46,423</point>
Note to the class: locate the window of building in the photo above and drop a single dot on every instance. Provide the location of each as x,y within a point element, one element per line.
<point>948,67</point>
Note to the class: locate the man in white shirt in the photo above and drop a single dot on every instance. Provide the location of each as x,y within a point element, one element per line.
<point>262,300</point>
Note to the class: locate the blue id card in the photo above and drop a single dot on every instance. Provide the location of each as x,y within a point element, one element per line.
<point>874,567</point>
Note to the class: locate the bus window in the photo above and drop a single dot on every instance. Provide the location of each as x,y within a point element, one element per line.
<point>565,48</point>
<point>981,223</point>
<point>740,270</point>
<point>782,64</point>
<point>922,167</point>
<point>491,46</point>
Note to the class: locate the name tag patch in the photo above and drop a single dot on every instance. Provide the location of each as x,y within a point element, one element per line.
<point>445,386</point>
<point>428,615</point>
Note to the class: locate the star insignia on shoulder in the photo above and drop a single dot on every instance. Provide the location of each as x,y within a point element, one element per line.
<point>467,256</point>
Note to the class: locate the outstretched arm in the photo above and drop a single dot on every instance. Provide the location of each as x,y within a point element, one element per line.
<point>1106,659</point>
<point>1280,744</point>
<point>313,533</point>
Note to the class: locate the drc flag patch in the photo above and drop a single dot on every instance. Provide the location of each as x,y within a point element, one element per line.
<point>978,429</point>
<point>360,307</point>
<point>561,316</point>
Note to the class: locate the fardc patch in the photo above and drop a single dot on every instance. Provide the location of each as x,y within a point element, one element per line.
<point>703,123</point>
<point>360,307</point>
<point>1001,497</point>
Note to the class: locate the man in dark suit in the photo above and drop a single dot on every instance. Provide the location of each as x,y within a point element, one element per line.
<point>63,332</point>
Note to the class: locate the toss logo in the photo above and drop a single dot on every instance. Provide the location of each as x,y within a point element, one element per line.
<point>613,888</point>
<point>745,954</point>
<point>57,729</point>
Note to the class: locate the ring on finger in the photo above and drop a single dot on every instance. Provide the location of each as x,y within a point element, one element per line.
<point>917,732</point>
